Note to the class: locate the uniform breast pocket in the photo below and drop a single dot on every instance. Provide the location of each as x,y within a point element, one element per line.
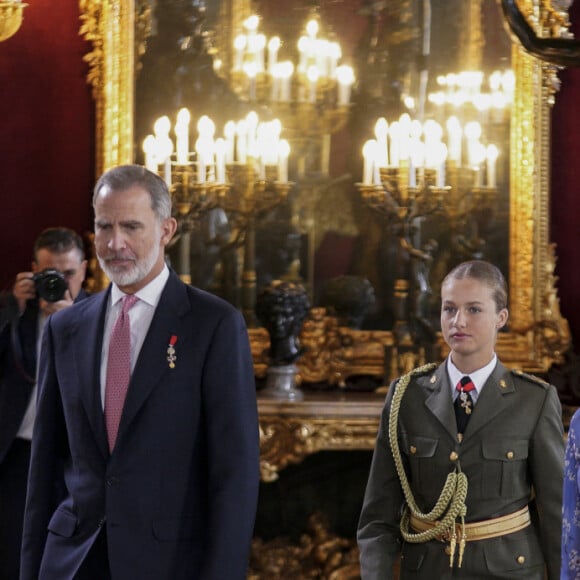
<point>504,467</point>
<point>420,452</point>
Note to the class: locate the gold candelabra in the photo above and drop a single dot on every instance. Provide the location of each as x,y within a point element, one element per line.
<point>466,210</point>
<point>311,95</point>
<point>244,175</point>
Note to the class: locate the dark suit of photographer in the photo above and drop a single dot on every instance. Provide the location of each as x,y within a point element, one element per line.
<point>57,273</point>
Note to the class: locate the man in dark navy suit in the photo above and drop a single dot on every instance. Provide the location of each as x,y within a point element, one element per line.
<point>23,315</point>
<point>161,482</point>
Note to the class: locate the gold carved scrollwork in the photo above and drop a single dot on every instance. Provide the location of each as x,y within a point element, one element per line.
<point>324,421</point>
<point>109,25</point>
<point>284,440</point>
<point>319,554</point>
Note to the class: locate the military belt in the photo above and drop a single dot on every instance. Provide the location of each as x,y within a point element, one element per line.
<point>483,530</point>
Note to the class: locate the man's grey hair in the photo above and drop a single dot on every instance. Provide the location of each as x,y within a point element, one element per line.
<point>123,177</point>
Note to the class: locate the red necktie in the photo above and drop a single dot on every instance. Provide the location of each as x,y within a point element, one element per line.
<point>463,403</point>
<point>118,369</point>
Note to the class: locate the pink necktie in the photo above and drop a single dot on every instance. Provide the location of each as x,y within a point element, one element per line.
<point>118,369</point>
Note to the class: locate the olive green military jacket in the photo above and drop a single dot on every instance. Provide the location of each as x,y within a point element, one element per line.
<point>512,453</point>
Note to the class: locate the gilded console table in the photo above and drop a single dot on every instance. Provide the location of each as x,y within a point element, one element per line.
<point>322,421</point>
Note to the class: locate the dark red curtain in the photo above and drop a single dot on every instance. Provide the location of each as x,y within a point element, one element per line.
<point>46,133</point>
<point>565,188</point>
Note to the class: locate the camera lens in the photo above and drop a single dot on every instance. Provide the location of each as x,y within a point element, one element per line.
<point>50,285</point>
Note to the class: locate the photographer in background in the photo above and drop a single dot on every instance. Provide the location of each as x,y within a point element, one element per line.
<point>55,282</point>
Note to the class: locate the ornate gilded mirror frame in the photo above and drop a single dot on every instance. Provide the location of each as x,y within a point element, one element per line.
<point>538,334</point>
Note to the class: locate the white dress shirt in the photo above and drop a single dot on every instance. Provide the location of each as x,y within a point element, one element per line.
<point>478,377</point>
<point>26,427</point>
<point>140,316</point>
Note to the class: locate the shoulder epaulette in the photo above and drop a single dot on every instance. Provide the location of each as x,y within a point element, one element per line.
<point>532,378</point>
<point>418,371</point>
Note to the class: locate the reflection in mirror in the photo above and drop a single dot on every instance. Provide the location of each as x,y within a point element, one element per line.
<point>436,61</point>
<point>326,226</point>
<point>430,176</point>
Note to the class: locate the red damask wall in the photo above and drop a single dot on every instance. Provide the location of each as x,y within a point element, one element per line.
<point>47,145</point>
<point>46,131</point>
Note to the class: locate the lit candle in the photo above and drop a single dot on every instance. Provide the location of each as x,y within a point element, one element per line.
<point>302,51</point>
<point>206,127</point>
<point>241,143</point>
<point>472,134</point>
<point>368,161</point>
<point>229,134</point>
<point>199,150</point>
<point>321,57</point>
<point>251,132</point>
<point>312,75</point>
<point>454,139</point>
<point>260,46</point>
<point>492,154</point>
<point>416,161</point>
<point>164,145</point>
<point>334,55</point>
<point>182,136</point>
<point>478,154</point>
<point>381,132</point>
<point>405,126</point>
<point>394,156</point>
<point>345,78</point>
<point>239,47</point>
<point>440,157</point>
<point>262,148</point>
<point>251,70</point>
<point>150,150</point>
<point>167,171</point>
<point>220,159</point>
<point>273,47</point>
<point>286,72</point>
<point>283,154</point>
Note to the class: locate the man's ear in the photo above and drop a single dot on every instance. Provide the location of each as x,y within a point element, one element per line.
<point>168,229</point>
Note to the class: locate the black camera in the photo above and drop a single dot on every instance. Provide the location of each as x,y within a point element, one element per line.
<point>50,285</point>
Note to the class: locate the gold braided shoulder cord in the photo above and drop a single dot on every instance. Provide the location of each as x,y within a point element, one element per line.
<point>452,498</point>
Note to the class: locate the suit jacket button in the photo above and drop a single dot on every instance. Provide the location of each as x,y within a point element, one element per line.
<point>510,454</point>
<point>521,559</point>
<point>453,456</point>
<point>413,450</point>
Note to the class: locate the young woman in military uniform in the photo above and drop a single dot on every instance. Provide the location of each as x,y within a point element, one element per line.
<point>466,477</point>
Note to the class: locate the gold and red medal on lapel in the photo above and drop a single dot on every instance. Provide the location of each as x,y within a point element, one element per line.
<point>171,356</point>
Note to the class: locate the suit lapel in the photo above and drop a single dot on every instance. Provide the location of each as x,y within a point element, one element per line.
<point>493,400</point>
<point>438,400</point>
<point>152,364</point>
<point>87,338</point>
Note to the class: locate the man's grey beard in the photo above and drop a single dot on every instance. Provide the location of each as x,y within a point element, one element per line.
<point>128,278</point>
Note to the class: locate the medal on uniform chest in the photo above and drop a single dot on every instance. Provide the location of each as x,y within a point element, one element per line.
<point>465,402</point>
<point>171,356</point>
